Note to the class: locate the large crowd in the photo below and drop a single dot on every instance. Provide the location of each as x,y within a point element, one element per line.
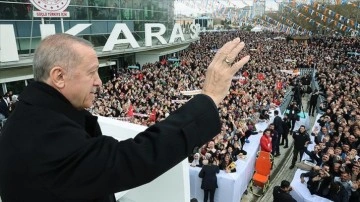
<point>336,133</point>
<point>148,95</point>
<point>158,86</point>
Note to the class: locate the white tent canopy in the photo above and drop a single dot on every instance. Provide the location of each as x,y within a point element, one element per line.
<point>257,29</point>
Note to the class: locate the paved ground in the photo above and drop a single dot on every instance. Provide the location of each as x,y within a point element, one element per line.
<point>280,170</point>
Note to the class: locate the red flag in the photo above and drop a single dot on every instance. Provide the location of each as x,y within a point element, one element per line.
<point>245,74</point>
<point>153,115</point>
<point>163,61</point>
<point>140,76</point>
<point>242,80</point>
<point>130,111</point>
<point>278,85</point>
<point>276,102</point>
<point>261,76</point>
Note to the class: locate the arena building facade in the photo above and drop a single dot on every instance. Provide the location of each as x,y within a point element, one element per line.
<point>136,32</point>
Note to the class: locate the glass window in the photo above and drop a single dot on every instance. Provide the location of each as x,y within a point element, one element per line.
<point>126,3</point>
<point>114,14</point>
<point>1,89</point>
<point>16,11</point>
<point>24,45</point>
<point>139,14</point>
<point>161,16</point>
<point>103,14</point>
<point>16,87</point>
<point>105,73</point>
<point>78,12</point>
<point>22,11</point>
<point>126,14</point>
<point>79,2</point>
<point>138,4</point>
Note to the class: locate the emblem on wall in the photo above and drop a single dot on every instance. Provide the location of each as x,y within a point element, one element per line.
<point>51,8</point>
<point>51,5</point>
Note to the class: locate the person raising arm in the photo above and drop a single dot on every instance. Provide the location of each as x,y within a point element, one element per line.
<point>52,149</point>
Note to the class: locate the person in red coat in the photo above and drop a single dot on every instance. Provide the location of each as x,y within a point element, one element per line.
<point>265,141</point>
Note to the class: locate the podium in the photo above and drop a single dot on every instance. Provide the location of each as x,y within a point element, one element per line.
<point>174,185</point>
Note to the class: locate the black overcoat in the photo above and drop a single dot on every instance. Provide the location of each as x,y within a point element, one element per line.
<point>51,152</point>
<point>208,175</point>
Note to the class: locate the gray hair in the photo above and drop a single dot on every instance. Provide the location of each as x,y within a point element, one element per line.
<point>56,50</point>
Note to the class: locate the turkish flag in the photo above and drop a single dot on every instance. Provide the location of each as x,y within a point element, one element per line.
<point>276,102</point>
<point>278,85</point>
<point>130,111</point>
<point>242,80</point>
<point>245,74</point>
<point>163,61</point>
<point>261,76</point>
<point>153,115</point>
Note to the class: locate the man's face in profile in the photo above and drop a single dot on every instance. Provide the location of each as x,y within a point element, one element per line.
<point>81,82</point>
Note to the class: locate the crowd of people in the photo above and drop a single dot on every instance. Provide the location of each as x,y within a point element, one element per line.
<point>149,95</point>
<point>157,87</point>
<point>336,133</point>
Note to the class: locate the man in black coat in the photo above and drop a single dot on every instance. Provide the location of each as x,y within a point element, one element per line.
<point>274,140</point>
<point>313,102</point>
<point>301,140</point>
<point>319,183</point>
<point>52,149</point>
<point>286,127</point>
<point>281,193</point>
<point>209,180</point>
<point>338,193</point>
<point>278,125</point>
<point>293,115</point>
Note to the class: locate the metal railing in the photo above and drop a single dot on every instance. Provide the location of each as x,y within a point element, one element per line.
<point>286,101</point>
<point>288,95</point>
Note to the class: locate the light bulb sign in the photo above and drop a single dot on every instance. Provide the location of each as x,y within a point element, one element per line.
<point>51,8</point>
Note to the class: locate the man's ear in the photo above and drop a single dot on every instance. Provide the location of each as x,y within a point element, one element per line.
<point>57,77</point>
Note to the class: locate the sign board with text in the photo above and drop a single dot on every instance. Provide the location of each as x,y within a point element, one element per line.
<point>51,8</point>
<point>8,38</point>
<point>44,14</point>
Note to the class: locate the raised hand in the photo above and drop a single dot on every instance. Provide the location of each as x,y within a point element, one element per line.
<point>222,69</point>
